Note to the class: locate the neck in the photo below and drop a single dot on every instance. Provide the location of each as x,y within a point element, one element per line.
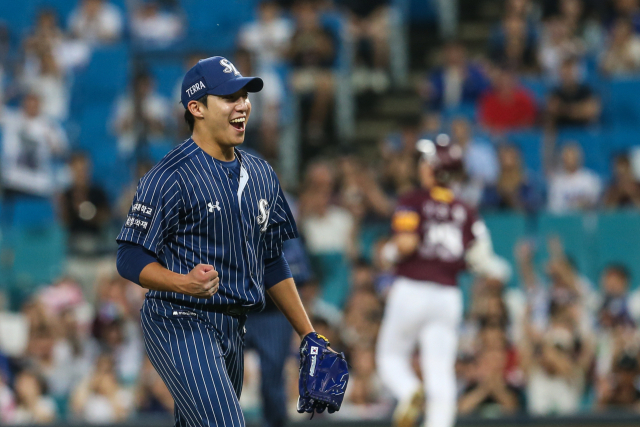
<point>209,145</point>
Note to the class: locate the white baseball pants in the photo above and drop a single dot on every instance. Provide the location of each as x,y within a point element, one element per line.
<point>425,314</point>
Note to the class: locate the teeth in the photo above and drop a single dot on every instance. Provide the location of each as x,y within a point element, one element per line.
<point>238,120</point>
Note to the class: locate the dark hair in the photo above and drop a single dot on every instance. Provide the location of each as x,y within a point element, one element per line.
<point>188,117</point>
<point>619,270</point>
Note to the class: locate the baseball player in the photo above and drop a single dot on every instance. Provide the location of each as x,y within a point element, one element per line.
<point>435,237</point>
<point>204,234</point>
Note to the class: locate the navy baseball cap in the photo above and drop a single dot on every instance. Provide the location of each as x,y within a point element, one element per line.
<point>215,76</point>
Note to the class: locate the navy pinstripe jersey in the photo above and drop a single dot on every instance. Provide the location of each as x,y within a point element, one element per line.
<point>188,210</point>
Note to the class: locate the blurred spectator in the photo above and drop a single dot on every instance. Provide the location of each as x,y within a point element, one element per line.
<point>329,232</point>
<point>624,190</point>
<point>622,54</point>
<point>312,54</point>
<point>268,38</point>
<point>264,132</point>
<point>369,27</point>
<point>84,207</point>
<point>33,406</point>
<point>617,333</point>
<point>50,84</point>
<point>489,393</point>
<point>480,160</point>
<point>100,398</point>
<point>627,9</point>
<point>7,402</point>
<point>582,21</point>
<point>621,392</point>
<point>513,44</point>
<point>360,192</point>
<point>567,290</point>
<point>514,189</point>
<point>30,143</point>
<point>141,117</point>
<point>572,103</point>
<point>573,187</point>
<point>458,82</point>
<point>152,395</point>
<point>117,329</point>
<point>556,365</point>
<point>507,105</point>
<point>153,26</point>
<point>557,45</point>
<point>48,38</point>
<point>96,21</point>
<point>49,356</point>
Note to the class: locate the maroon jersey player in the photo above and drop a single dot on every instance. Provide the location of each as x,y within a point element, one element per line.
<point>436,236</point>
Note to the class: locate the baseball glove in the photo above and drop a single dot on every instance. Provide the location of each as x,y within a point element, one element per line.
<point>323,376</point>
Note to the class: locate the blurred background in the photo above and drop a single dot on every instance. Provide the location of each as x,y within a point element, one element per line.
<point>543,96</point>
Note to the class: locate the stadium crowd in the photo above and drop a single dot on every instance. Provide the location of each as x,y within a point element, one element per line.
<point>534,340</point>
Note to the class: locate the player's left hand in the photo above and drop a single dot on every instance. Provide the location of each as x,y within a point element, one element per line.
<point>324,375</point>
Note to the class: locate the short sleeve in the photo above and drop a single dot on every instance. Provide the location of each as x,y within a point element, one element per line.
<point>154,213</point>
<point>282,225</point>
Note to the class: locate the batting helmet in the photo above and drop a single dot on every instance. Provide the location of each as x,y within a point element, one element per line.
<point>444,157</point>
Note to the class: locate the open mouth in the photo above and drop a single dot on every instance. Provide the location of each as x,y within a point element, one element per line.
<point>238,123</point>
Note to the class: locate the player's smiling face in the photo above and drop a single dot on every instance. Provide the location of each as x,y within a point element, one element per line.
<point>227,117</point>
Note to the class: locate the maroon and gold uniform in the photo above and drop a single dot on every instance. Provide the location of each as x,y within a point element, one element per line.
<point>444,226</point>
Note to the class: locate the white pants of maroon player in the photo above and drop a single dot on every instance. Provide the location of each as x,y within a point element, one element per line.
<point>428,315</point>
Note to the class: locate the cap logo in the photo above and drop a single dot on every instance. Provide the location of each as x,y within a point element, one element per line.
<point>195,88</point>
<point>229,67</point>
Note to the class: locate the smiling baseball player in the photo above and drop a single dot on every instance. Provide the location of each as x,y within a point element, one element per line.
<point>204,234</point>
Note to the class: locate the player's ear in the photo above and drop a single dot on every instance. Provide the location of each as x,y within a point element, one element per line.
<point>195,108</point>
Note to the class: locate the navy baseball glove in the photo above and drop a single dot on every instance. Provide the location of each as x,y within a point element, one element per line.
<point>323,376</point>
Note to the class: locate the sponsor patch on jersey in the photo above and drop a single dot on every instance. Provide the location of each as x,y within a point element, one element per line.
<point>184,313</point>
<point>143,209</point>
<point>442,195</point>
<point>140,224</point>
<point>405,221</point>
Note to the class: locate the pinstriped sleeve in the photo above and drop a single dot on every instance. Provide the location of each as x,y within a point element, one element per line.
<point>154,213</point>
<point>282,226</point>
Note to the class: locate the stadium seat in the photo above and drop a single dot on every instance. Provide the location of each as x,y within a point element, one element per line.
<point>104,78</point>
<point>530,144</point>
<point>616,241</point>
<point>622,108</point>
<point>538,87</point>
<point>32,212</point>
<point>167,76</point>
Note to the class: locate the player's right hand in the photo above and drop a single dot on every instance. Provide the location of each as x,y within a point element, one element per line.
<point>201,282</point>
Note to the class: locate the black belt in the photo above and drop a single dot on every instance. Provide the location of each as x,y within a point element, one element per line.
<point>228,309</point>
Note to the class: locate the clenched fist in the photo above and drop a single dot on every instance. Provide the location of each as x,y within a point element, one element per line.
<point>201,282</point>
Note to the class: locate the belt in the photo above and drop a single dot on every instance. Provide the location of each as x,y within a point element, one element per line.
<point>228,309</point>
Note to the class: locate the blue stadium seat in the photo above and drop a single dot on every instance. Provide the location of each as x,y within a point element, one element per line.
<point>538,87</point>
<point>577,233</point>
<point>104,78</point>
<point>33,212</point>
<point>622,108</point>
<point>94,124</point>
<point>213,25</point>
<point>167,76</point>
<point>616,241</point>
<point>18,17</point>
<point>530,144</point>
